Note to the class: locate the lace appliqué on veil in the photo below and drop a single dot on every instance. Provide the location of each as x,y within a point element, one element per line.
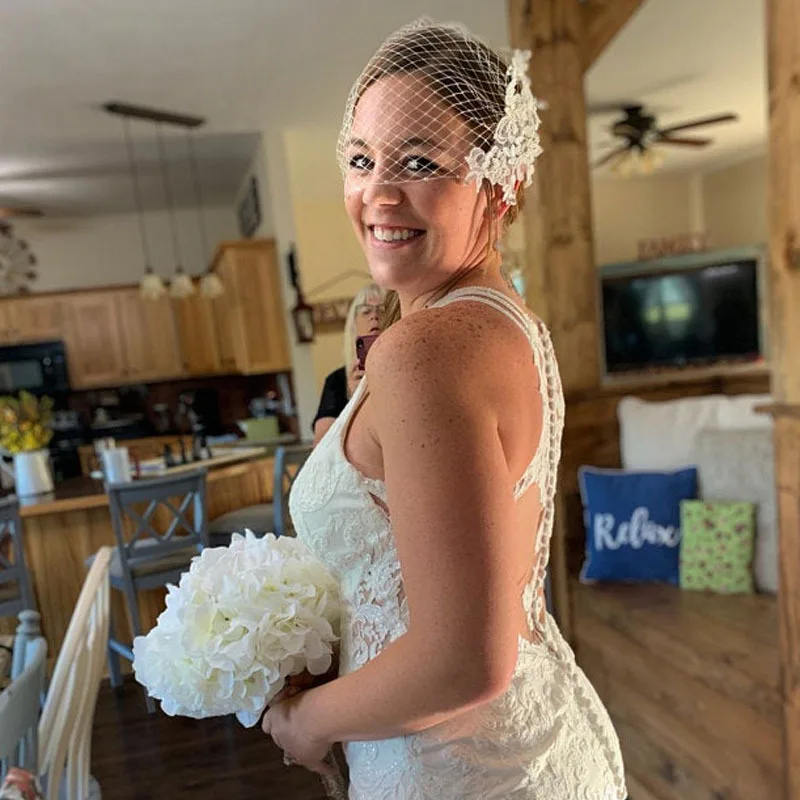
<point>509,162</point>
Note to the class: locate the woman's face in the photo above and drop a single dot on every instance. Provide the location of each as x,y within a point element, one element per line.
<point>415,233</point>
<point>368,316</point>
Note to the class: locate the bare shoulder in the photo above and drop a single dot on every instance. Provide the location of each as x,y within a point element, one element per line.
<point>457,348</point>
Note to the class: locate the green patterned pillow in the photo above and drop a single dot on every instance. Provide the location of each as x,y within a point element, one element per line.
<point>717,546</point>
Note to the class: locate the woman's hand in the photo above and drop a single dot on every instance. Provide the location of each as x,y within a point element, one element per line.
<point>354,377</point>
<point>284,723</point>
<point>305,680</point>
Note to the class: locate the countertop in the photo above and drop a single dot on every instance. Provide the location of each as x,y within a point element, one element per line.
<point>80,494</point>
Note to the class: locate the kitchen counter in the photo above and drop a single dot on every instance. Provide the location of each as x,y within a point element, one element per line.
<point>61,530</point>
<point>80,494</point>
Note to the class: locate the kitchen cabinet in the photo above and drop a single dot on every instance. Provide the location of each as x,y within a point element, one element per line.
<point>114,337</point>
<point>31,319</point>
<point>93,339</point>
<point>197,333</point>
<point>251,314</point>
<point>149,337</point>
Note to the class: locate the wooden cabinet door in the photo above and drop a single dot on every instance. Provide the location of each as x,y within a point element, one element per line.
<point>149,337</point>
<point>36,319</point>
<point>226,318</point>
<point>250,275</point>
<point>93,342</point>
<point>198,335</point>
<point>6,327</point>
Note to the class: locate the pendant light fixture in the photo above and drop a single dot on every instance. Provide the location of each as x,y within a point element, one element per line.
<point>181,285</point>
<point>210,284</point>
<point>151,286</point>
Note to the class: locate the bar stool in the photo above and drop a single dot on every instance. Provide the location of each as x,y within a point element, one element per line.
<point>264,518</point>
<point>147,558</point>
<point>15,586</point>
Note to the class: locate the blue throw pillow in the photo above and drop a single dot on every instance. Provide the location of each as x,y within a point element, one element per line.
<point>633,523</point>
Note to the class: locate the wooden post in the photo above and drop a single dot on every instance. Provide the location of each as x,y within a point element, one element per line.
<point>783,48</point>
<point>565,37</point>
<point>560,268</point>
<point>558,218</point>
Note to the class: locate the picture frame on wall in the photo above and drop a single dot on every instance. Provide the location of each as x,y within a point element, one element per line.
<point>248,212</point>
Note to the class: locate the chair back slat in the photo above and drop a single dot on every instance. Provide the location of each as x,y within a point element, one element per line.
<point>173,497</point>
<point>20,704</point>
<point>65,728</point>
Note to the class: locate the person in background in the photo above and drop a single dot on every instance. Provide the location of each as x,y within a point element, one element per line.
<point>364,317</point>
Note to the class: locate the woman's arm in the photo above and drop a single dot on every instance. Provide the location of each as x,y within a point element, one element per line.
<point>321,426</point>
<point>452,508</point>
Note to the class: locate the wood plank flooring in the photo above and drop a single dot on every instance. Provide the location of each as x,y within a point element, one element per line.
<point>693,685</point>
<point>140,757</point>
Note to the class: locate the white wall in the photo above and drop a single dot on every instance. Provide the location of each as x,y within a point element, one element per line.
<point>729,204</point>
<point>735,204</point>
<point>626,210</point>
<point>271,165</point>
<point>80,252</point>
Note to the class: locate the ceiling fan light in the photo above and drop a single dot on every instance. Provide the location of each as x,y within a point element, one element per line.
<point>181,286</point>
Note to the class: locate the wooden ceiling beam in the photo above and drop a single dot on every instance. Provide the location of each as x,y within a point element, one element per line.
<point>602,21</point>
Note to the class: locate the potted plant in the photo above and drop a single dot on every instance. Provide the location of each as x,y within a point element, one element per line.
<point>24,435</point>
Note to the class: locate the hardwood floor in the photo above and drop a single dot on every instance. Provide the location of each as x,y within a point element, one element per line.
<point>141,757</point>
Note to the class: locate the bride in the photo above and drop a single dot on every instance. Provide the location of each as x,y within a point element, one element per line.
<point>431,496</point>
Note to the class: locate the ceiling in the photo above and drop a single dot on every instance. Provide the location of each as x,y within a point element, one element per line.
<point>247,65</point>
<point>242,64</point>
<point>686,59</point>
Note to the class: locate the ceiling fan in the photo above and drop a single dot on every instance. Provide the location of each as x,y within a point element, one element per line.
<point>7,212</point>
<point>639,131</point>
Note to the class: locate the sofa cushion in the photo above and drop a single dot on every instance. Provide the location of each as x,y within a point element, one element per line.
<point>633,523</point>
<point>739,465</point>
<point>663,435</point>
<point>717,546</point>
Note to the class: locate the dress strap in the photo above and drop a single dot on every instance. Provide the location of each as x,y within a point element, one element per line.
<point>505,305</point>
<point>495,299</point>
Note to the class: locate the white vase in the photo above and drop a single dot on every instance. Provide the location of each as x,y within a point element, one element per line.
<point>32,473</point>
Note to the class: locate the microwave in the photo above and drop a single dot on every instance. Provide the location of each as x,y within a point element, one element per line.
<point>39,368</point>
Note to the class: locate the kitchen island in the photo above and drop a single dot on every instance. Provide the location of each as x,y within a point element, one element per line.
<point>61,530</point>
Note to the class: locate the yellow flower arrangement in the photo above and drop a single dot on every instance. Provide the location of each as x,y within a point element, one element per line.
<point>24,423</point>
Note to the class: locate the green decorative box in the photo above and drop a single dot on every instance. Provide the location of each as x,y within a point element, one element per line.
<point>717,546</point>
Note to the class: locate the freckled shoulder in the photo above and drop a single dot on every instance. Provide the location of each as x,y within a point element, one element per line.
<point>462,341</point>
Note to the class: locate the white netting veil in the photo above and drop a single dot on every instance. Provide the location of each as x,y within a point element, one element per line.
<point>436,102</point>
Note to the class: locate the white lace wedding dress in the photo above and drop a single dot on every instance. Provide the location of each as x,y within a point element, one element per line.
<point>548,736</point>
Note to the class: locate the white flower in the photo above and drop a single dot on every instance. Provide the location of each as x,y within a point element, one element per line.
<point>242,619</point>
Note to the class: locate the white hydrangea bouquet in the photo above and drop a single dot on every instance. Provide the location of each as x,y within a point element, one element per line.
<point>240,622</point>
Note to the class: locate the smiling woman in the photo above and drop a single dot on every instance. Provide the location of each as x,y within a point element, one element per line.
<point>431,497</point>
<point>364,321</point>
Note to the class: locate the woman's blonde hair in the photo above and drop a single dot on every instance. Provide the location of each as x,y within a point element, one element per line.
<point>370,291</point>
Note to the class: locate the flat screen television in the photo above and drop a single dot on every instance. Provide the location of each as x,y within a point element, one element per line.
<point>682,312</point>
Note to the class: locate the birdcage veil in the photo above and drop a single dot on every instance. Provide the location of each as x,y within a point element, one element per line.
<point>449,106</point>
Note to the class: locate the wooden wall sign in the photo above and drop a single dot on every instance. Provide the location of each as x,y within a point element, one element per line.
<point>649,249</point>
<point>332,312</point>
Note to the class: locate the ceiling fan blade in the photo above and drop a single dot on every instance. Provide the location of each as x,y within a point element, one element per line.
<point>609,156</point>
<point>614,107</point>
<point>697,123</point>
<point>18,211</point>
<point>684,141</point>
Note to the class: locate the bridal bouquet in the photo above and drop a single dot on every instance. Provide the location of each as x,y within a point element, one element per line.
<point>240,622</point>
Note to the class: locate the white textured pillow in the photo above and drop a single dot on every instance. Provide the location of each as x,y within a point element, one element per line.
<point>739,465</point>
<point>662,435</point>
